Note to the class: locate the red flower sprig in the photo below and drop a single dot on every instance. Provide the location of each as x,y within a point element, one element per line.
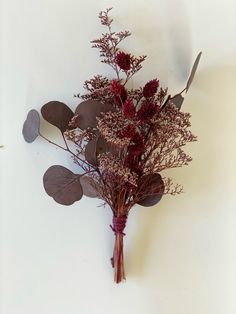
<point>123,60</point>
<point>129,110</point>
<point>150,88</point>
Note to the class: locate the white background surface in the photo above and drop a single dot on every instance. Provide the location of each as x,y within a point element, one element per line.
<point>180,255</point>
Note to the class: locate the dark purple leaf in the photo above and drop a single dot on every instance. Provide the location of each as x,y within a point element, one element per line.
<point>58,114</point>
<point>63,185</point>
<point>177,101</point>
<point>193,71</point>
<point>31,126</point>
<point>89,110</point>
<point>89,186</point>
<point>94,148</point>
<point>102,146</point>
<point>90,152</point>
<point>151,189</point>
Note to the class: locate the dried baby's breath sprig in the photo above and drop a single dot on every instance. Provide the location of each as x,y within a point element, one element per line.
<point>110,125</point>
<point>109,165</point>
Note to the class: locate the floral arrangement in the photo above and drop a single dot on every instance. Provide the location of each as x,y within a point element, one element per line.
<point>122,139</point>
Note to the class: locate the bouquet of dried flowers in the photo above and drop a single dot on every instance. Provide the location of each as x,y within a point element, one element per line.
<point>122,139</point>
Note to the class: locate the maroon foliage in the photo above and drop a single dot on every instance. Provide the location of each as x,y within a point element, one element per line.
<point>193,71</point>
<point>177,101</point>
<point>89,186</point>
<point>88,111</point>
<point>63,185</point>
<point>102,146</point>
<point>58,114</point>
<point>150,189</point>
<point>90,152</point>
<point>95,147</point>
<point>31,126</point>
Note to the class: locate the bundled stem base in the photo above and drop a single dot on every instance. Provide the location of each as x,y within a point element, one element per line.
<point>118,254</point>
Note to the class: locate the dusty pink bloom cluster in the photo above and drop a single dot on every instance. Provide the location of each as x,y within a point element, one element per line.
<point>111,125</point>
<point>114,171</point>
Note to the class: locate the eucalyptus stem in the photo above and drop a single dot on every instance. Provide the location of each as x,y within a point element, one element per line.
<point>67,150</point>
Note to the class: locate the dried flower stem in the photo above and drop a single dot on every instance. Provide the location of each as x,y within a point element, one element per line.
<point>118,259</point>
<point>67,150</point>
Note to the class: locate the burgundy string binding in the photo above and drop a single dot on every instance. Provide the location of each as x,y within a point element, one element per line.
<point>118,226</point>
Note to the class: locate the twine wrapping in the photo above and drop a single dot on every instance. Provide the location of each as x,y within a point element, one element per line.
<point>119,224</point>
<point>117,260</point>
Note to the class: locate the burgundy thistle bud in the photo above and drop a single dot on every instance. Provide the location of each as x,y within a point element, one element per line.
<point>121,98</point>
<point>128,132</point>
<point>129,109</point>
<point>123,95</point>
<point>119,92</point>
<point>137,146</point>
<point>147,111</point>
<point>116,87</point>
<point>135,150</point>
<point>123,60</point>
<point>150,88</point>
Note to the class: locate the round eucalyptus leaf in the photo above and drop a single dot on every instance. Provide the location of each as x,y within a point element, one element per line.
<point>31,126</point>
<point>151,189</point>
<point>89,110</point>
<point>57,114</point>
<point>90,152</point>
<point>62,185</point>
<point>89,186</point>
<point>102,146</point>
<point>95,147</point>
